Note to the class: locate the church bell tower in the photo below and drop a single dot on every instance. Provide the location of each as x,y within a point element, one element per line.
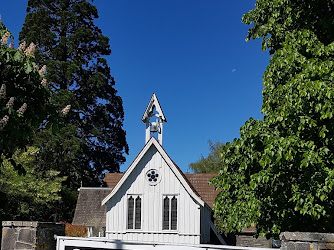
<point>154,119</point>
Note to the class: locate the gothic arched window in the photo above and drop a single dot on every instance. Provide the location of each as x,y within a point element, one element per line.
<point>169,213</point>
<point>134,212</point>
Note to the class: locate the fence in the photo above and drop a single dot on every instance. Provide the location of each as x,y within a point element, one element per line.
<point>72,243</point>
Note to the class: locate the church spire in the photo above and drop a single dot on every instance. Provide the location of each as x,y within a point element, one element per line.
<point>154,119</point>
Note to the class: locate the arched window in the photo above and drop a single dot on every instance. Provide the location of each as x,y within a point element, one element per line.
<point>134,212</point>
<point>138,213</point>
<point>173,213</point>
<point>130,212</point>
<point>166,214</point>
<point>169,213</point>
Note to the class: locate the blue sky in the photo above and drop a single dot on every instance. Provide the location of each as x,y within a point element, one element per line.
<point>192,54</point>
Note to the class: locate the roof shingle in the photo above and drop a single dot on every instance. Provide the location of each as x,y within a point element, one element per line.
<point>88,211</point>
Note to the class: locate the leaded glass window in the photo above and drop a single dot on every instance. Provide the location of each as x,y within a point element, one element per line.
<point>166,214</point>
<point>169,212</point>
<point>138,213</point>
<point>134,212</point>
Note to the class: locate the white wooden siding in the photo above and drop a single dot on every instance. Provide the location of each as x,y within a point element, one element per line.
<point>188,216</point>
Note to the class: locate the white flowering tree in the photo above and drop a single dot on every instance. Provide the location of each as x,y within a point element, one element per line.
<point>24,97</point>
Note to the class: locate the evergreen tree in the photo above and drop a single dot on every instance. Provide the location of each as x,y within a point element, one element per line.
<point>74,50</point>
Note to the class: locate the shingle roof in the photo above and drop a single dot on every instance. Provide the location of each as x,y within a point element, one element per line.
<point>200,182</point>
<point>88,211</point>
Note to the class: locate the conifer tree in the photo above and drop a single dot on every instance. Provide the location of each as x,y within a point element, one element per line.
<point>74,50</point>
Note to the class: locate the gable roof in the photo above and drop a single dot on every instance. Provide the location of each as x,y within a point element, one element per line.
<point>88,211</point>
<point>199,182</point>
<point>175,169</point>
<point>153,103</point>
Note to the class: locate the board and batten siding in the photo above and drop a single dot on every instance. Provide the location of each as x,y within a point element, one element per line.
<point>188,210</point>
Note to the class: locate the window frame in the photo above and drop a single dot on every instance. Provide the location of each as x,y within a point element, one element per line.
<point>134,196</point>
<point>170,197</point>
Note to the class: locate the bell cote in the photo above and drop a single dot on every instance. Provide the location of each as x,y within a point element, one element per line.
<point>154,119</point>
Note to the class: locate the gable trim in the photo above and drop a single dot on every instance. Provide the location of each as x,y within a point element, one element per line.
<point>153,102</point>
<point>170,163</point>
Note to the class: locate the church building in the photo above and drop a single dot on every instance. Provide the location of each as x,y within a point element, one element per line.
<point>154,201</point>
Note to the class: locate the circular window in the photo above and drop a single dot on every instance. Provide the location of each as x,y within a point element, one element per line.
<point>153,176</point>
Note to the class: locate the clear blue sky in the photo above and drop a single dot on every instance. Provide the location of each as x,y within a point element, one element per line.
<point>192,54</point>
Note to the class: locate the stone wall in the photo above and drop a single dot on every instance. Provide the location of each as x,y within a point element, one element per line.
<point>247,240</point>
<point>30,235</point>
<point>306,241</point>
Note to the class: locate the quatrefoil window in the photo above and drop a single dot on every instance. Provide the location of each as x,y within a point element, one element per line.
<point>153,176</point>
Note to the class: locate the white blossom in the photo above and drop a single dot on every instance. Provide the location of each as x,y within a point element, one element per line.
<point>30,50</point>
<point>42,71</point>
<point>10,103</point>
<point>3,91</point>
<point>4,121</point>
<point>65,110</point>
<point>5,38</point>
<point>22,109</point>
<point>22,46</point>
<point>44,83</point>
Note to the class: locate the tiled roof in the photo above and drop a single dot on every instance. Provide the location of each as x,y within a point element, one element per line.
<point>200,182</point>
<point>111,179</point>
<point>88,211</point>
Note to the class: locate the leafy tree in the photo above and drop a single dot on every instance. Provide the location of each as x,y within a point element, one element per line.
<point>74,50</point>
<point>210,164</point>
<point>25,107</point>
<point>27,196</point>
<point>280,173</point>
<point>24,97</point>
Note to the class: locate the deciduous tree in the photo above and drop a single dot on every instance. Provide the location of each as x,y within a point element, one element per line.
<point>279,174</point>
<point>210,164</point>
<point>24,96</point>
<point>28,196</point>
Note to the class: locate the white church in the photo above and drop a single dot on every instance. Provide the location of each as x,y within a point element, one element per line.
<point>153,201</point>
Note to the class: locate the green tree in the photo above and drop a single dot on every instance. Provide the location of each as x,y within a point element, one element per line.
<point>29,196</point>
<point>74,50</point>
<point>279,174</point>
<point>24,97</point>
<point>210,164</point>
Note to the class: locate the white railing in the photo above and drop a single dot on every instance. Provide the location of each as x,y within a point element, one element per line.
<point>76,243</point>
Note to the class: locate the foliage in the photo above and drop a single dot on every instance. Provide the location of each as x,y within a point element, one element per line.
<point>210,164</point>
<point>280,173</point>
<point>74,49</point>
<point>24,97</point>
<point>75,231</point>
<point>272,20</point>
<point>28,196</point>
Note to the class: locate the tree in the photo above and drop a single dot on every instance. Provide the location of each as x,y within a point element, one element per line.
<point>25,107</point>
<point>74,49</point>
<point>28,196</point>
<point>210,164</point>
<point>24,97</point>
<point>279,174</point>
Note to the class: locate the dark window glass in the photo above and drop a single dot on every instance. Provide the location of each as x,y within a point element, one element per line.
<point>173,213</point>
<point>130,212</point>
<point>165,225</point>
<point>138,213</point>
